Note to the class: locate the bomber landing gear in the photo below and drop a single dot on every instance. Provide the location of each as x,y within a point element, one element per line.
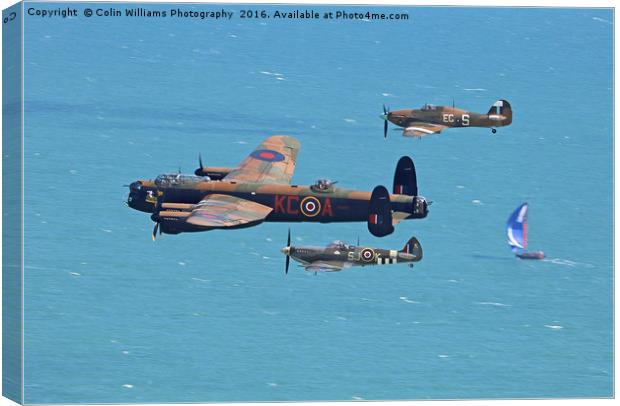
<point>493,130</point>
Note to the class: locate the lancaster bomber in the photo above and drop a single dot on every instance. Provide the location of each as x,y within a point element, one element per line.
<point>339,255</point>
<point>432,119</point>
<point>260,189</point>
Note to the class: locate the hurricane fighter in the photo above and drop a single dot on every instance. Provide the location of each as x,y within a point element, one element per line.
<point>260,189</point>
<point>339,255</point>
<point>432,119</point>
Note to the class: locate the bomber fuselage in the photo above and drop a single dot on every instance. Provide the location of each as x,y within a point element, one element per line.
<point>289,202</point>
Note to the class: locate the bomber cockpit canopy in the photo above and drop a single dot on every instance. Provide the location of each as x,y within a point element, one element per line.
<point>338,244</point>
<point>179,179</point>
<point>429,107</point>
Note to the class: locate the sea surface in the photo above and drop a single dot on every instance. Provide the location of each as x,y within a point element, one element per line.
<point>111,316</point>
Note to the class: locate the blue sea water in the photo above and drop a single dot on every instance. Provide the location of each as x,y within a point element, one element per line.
<point>111,316</point>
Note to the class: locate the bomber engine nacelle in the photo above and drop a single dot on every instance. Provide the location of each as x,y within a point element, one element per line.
<point>170,218</point>
<point>405,180</point>
<point>380,213</point>
<point>215,173</point>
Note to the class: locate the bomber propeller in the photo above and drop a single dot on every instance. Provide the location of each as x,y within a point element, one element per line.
<point>198,172</point>
<point>155,217</point>
<point>154,236</point>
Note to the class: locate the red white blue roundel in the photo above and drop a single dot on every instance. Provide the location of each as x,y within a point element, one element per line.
<point>268,155</point>
<point>310,206</point>
<point>367,254</point>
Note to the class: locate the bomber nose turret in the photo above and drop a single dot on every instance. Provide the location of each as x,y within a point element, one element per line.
<point>142,196</point>
<point>134,194</point>
<point>135,186</point>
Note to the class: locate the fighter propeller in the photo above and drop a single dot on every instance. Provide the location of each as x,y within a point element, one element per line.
<point>287,251</point>
<point>384,116</point>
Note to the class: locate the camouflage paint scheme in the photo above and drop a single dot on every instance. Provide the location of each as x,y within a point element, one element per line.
<point>432,119</point>
<point>339,255</point>
<point>256,191</point>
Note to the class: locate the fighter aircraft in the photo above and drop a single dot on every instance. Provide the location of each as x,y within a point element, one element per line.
<point>260,189</point>
<point>432,119</point>
<point>338,255</point>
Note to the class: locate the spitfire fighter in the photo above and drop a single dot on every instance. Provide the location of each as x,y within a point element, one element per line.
<point>339,255</point>
<point>260,189</point>
<point>432,119</point>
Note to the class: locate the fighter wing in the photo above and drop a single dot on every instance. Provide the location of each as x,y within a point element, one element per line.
<point>321,266</point>
<point>223,211</point>
<point>273,161</point>
<point>420,129</point>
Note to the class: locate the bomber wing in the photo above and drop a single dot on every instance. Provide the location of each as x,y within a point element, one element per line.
<point>273,161</point>
<point>421,129</point>
<point>223,211</point>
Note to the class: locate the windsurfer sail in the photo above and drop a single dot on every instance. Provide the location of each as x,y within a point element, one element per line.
<point>516,231</point>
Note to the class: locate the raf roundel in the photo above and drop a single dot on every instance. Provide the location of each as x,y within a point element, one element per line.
<point>310,206</point>
<point>367,254</point>
<point>267,155</point>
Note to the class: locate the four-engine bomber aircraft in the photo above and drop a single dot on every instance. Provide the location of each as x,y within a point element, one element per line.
<point>339,255</point>
<point>432,119</point>
<point>260,189</point>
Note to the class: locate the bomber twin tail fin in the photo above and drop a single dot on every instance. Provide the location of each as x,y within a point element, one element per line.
<point>405,180</point>
<point>380,213</point>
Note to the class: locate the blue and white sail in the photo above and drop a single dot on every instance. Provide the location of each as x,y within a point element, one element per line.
<point>516,228</point>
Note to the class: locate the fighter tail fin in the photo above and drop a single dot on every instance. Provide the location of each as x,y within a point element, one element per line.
<point>502,107</point>
<point>413,247</point>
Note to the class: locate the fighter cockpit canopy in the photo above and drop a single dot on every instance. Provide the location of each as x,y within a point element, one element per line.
<point>178,179</point>
<point>427,107</point>
<point>338,244</point>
